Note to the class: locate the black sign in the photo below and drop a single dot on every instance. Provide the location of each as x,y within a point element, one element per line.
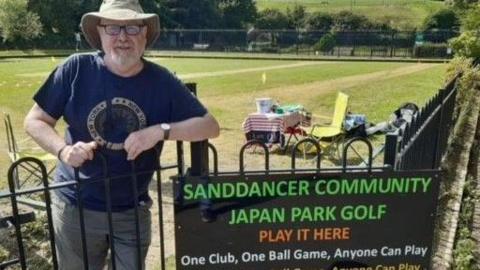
<point>381,221</point>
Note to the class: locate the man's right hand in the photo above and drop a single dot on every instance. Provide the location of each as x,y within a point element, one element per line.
<point>75,155</point>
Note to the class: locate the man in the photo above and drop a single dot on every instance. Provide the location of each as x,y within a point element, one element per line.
<point>118,107</point>
<point>78,41</point>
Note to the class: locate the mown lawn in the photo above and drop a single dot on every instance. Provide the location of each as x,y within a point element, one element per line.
<point>401,13</point>
<point>376,93</point>
<point>376,89</point>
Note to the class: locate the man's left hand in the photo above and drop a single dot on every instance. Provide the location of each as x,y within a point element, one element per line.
<point>142,140</point>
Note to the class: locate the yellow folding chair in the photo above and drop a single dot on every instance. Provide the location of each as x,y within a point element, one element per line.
<point>28,174</point>
<point>330,136</point>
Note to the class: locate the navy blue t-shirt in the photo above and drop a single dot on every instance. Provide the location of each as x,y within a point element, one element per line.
<point>98,105</point>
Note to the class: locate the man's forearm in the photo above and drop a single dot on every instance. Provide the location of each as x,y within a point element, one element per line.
<point>195,129</point>
<point>45,135</point>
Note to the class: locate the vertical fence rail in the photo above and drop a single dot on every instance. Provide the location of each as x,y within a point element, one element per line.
<point>108,200</point>
<point>48,204</point>
<point>137,217</point>
<point>81,217</point>
<point>16,223</point>
<point>158,176</point>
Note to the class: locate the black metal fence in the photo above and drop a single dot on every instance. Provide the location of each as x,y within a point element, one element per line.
<point>423,142</point>
<point>299,42</point>
<point>79,184</point>
<point>199,167</point>
<point>345,43</point>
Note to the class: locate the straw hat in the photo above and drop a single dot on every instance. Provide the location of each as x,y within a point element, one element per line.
<point>118,10</point>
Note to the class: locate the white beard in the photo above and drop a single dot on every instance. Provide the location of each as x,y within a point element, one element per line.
<point>123,60</point>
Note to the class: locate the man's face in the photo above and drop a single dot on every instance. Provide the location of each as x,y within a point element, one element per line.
<point>124,48</point>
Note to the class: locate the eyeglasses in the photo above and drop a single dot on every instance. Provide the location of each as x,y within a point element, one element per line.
<point>114,30</point>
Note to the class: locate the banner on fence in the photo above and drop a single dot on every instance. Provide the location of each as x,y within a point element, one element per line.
<point>379,220</point>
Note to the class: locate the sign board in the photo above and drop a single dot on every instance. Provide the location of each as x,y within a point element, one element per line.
<point>380,220</point>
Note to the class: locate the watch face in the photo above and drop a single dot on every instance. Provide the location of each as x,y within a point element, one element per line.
<point>165,126</point>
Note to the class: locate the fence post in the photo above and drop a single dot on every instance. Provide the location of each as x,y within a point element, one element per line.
<point>392,45</point>
<point>391,148</point>
<point>180,159</point>
<point>199,158</point>
<point>297,40</point>
<point>198,150</point>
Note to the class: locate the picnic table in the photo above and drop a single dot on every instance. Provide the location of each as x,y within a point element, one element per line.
<point>271,128</point>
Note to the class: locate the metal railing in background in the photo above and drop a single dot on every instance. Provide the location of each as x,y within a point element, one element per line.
<point>302,42</point>
<point>367,43</point>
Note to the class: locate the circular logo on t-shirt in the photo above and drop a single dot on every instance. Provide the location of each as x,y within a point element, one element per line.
<point>109,126</point>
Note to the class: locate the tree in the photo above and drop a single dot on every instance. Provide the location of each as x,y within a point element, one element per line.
<point>17,23</point>
<point>472,19</point>
<point>198,14</point>
<point>346,20</point>
<point>237,14</point>
<point>61,19</point>
<point>296,16</point>
<point>164,9</point>
<point>462,4</point>
<point>442,19</point>
<point>468,43</point>
<point>271,19</point>
<point>319,21</point>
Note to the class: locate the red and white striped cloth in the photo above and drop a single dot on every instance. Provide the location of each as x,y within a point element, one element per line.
<point>272,122</point>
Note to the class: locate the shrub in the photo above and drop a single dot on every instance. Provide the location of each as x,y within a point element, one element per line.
<point>17,23</point>
<point>319,21</point>
<point>326,43</point>
<point>467,44</point>
<point>433,50</point>
<point>346,20</point>
<point>296,16</point>
<point>472,19</point>
<point>271,19</point>
<point>442,19</point>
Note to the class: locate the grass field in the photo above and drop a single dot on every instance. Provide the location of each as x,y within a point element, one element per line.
<point>229,87</point>
<point>403,14</point>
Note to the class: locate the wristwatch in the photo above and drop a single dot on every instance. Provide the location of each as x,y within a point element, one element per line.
<point>166,130</point>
